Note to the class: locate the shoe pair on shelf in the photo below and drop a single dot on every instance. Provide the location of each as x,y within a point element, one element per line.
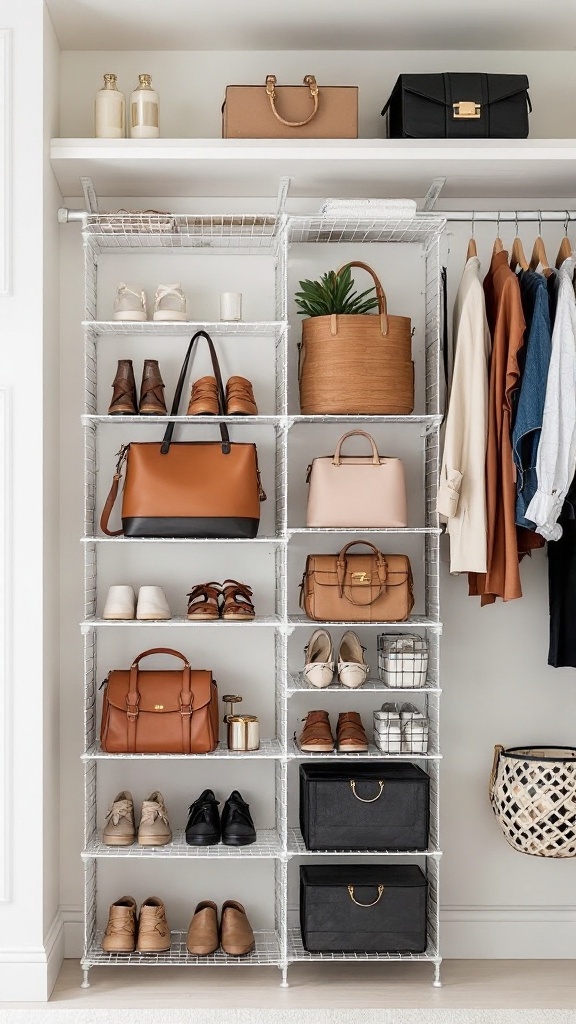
<point>234,935</point>
<point>230,600</point>
<point>126,931</point>
<point>124,398</point>
<point>206,828</point>
<point>121,604</point>
<point>169,303</point>
<point>240,399</point>
<point>153,830</point>
<point>319,667</point>
<point>316,736</point>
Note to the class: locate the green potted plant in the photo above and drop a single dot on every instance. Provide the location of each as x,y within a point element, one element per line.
<point>332,293</point>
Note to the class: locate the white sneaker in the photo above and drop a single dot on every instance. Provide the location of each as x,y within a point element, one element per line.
<point>120,603</point>
<point>169,303</point>
<point>129,303</point>
<point>152,604</point>
<point>319,661</point>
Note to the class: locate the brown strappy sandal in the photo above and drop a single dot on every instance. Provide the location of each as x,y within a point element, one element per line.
<point>350,735</point>
<point>316,736</point>
<point>206,596</point>
<point>237,601</point>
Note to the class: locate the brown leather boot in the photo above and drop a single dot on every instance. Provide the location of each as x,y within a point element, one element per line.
<point>120,934</point>
<point>124,391</point>
<point>152,390</point>
<point>237,937</point>
<point>204,398</point>
<point>153,930</point>
<point>240,399</point>
<point>350,734</point>
<point>316,735</point>
<point>202,938</point>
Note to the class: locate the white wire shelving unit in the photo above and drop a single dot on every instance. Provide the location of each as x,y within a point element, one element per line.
<point>243,235</point>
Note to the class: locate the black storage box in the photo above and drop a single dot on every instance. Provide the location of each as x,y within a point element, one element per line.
<point>364,806</point>
<point>459,106</point>
<point>363,908</point>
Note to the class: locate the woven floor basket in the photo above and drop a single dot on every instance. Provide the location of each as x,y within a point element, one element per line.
<point>533,795</point>
<point>357,365</point>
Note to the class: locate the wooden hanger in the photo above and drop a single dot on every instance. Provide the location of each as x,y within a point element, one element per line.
<point>517,257</point>
<point>539,257</point>
<point>471,250</point>
<point>565,250</point>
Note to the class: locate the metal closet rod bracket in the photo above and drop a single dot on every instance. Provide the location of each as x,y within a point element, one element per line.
<point>66,216</point>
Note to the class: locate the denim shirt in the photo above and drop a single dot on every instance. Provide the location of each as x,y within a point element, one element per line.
<point>529,404</point>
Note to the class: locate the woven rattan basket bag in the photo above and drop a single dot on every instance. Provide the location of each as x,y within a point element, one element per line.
<point>533,795</point>
<point>357,364</point>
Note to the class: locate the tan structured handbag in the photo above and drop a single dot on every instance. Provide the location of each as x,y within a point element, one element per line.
<point>357,364</point>
<point>370,587</point>
<point>188,488</point>
<point>306,111</point>
<point>356,490</point>
<point>159,712</point>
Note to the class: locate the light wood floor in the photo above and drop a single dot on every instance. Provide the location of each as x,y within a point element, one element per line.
<point>467,984</point>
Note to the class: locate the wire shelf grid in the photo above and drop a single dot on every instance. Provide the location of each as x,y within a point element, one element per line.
<point>298,684</point>
<point>181,621</point>
<point>125,232</point>
<point>268,749</point>
<point>159,329</point>
<point>372,752</point>
<point>424,229</point>
<point>267,846</point>
<point>296,952</point>
<point>267,951</point>
<point>297,848</point>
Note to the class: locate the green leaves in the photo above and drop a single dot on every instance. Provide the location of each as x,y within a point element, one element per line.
<point>333,293</point>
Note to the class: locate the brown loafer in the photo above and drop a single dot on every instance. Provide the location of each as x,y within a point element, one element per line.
<point>204,398</point>
<point>350,734</point>
<point>316,736</point>
<point>120,934</point>
<point>240,399</point>
<point>236,935</point>
<point>153,930</point>
<point>202,938</point>
<point>124,391</point>
<point>152,390</point>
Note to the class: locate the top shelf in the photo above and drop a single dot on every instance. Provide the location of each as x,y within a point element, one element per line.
<point>480,168</point>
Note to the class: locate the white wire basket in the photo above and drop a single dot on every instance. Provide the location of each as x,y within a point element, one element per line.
<point>402,660</point>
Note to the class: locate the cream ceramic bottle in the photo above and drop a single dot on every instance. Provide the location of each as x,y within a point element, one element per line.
<point>109,111</point>
<point>144,114</point>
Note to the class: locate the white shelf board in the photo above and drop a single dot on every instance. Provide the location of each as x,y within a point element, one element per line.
<point>297,684</point>
<point>181,540</point>
<point>190,420</point>
<point>296,953</point>
<point>267,846</point>
<point>267,951</point>
<point>181,620</point>
<point>297,848</point>
<point>413,620</point>
<point>482,168</point>
<point>172,329</point>
<point>373,751</point>
<point>268,749</point>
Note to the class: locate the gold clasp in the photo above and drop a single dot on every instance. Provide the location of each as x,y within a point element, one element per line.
<point>361,578</point>
<point>466,110</point>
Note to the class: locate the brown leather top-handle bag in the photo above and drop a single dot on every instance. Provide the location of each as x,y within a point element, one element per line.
<point>367,587</point>
<point>188,488</point>
<point>159,712</point>
<point>357,364</point>
<point>308,111</point>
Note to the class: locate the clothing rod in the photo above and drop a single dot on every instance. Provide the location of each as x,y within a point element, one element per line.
<point>507,216</point>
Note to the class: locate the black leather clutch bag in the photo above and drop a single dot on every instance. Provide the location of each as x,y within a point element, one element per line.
<point>458,106</point>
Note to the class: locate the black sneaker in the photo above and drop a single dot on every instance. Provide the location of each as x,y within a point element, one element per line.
<point>237,825</point>
<point>203,826</point>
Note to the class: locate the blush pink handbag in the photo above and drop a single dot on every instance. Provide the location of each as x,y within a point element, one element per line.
<point>356,491</point>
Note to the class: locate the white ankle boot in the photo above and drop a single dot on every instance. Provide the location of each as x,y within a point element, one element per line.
<point>152,604</point>
<point>120,603</point>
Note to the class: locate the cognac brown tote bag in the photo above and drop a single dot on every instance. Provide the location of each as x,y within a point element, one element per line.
<point>357,365</point>
<point>188,488</point>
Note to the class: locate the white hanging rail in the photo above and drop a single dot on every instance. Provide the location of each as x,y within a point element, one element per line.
<point>507,216</point>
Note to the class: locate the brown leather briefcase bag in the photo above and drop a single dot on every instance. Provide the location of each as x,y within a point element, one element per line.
<point>306,111</point>
<point>159,712</point>
<point>367,587</point>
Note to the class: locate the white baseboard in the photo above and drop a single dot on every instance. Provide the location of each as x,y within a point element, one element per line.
<point>508,933</point>
<point>30,972</point>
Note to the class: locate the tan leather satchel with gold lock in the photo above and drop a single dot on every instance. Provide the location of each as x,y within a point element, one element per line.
<point>159,712</point>
<point>367,587</point>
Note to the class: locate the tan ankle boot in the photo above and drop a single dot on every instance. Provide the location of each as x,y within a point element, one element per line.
<point>124,391</point>
<point>153,930</point>
<point>120,934</point>
<point>204,398</point>
<point>240,399</point>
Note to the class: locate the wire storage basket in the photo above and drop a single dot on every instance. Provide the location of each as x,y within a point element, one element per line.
<point>533,795</point>
<point>402,660</point>
<point>401,729</point>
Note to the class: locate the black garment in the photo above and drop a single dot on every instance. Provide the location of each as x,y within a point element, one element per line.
<point>562,587</point>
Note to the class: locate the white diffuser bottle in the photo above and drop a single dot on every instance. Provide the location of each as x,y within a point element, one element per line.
<point>144,117</point>
<point>109,111</point>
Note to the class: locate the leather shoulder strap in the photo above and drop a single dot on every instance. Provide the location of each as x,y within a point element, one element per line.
<point>167,440</point>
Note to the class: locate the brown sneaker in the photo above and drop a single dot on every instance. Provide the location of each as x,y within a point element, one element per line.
<point>120,828</point>
<point>124,391</point>
<point>202,938</point>
<point>152,390</point>
<point>240,399</point>
<point>236,935</point>
<point>120,934</point>
<point>350,734</point>
<point>153,930</point>
<point>316,735</point>
<point>154,828</point>
<point>204,398</point>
